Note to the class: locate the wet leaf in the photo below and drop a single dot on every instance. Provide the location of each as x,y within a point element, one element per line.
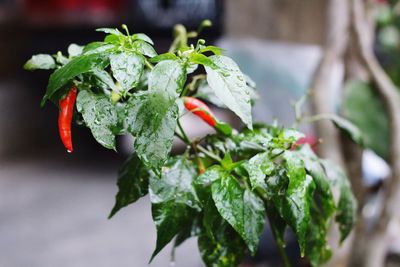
<point>40,61</point>
<point>241,208</point>
<point>347,206</point>
<point>169,217</point>
<point>258,167</point>
<point>99,115</point>
<point>175,183</point>
<point>76,66</point>
<point>219,244</point>
<point>133,182</point>
<point>127,68</point>
<point>317,172</point>
<point>295,205</point>
<point>230,87</point>
<point>144,48</point>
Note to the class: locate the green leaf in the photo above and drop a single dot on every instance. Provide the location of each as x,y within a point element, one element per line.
<point>168,76</point>
<point>152,116</point>
<point>40,61</point>
<point>373,121</point>
<point>144,48</point>
<point>205,92</point>
<point>127,68</point>
<point>99,115</point>
<point>143,37</point>
<point>223,128</point>
<point>175,183</point>
<point>194,229</point>
<point>133,182</point>
<point>316,249</point>
<point>241,208</point>
<point>295,206</point>
<point>110,31</point>
<point>347,206</point>
<point>216,50</point>
<point>76,66</point>
<point>277,224</point>
<point>230,87</point>
<point>202,59</point>
<point>347,127</point>
<point>74,50</point>
<point>258,168</point>
<point>219,243</point>
<point>170,218</point>
<point>317,172</point>
<point>104,78</point>
<point>153,128</point>
<point>97,47</point>
<point>161,57</point>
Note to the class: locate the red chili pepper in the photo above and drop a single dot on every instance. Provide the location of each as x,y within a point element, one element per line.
<point>200,109</point>
<point>308,139</point>
<point>65,118</point>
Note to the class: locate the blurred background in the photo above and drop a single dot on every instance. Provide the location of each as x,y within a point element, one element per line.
<point>53,206</point>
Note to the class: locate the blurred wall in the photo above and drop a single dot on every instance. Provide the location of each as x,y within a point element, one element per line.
<point>284,20</point>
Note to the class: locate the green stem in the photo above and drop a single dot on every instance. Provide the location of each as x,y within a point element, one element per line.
<point>284,256</point>
<point>184,135</point>
<point>208,153</point>
<point>148,64</point>
<point>315,118</point>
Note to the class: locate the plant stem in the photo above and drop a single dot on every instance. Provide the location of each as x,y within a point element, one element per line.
<point>148,64</point>
<point>284,256</point>
<point>184,135</point>
<point>208,153</point>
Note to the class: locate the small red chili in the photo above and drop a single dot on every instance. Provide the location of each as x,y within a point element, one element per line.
<point>65,118</point>
<point>200,109</point>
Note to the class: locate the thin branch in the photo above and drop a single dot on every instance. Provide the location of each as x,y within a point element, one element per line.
<point>376,250</point>
<point>321,84</point>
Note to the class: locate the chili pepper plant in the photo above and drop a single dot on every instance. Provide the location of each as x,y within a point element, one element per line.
<point>226,185</point>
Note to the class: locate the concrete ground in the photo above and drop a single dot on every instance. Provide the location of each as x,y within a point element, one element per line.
<point>54,213</point>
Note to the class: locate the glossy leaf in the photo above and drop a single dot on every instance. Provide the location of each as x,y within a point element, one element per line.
<point>168,76</point>
<point>169,217</point>
<point>75,50</point>
<point>216,50</point>
<point>219,244</point>
<point>153,128</point>
<point>241,208</point>
<point>133,182</point>
<point>295,206</point>
<point>127,67</point>
<point>317,172</point>
<point>347,206</point>
<point>161,57</point>
<point>40,61</point>
<point>258,167</point>
<point>197,58</point>
<point>143,37</point>
<point>230,87</point>
<point>78,65</point>
<point>110,31</point>
<point>99,115</point>
<point>144,48</point>
<point>175,183</point>
<point>277,224</point>
<point>317,250</point>
<point>105,78</point>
